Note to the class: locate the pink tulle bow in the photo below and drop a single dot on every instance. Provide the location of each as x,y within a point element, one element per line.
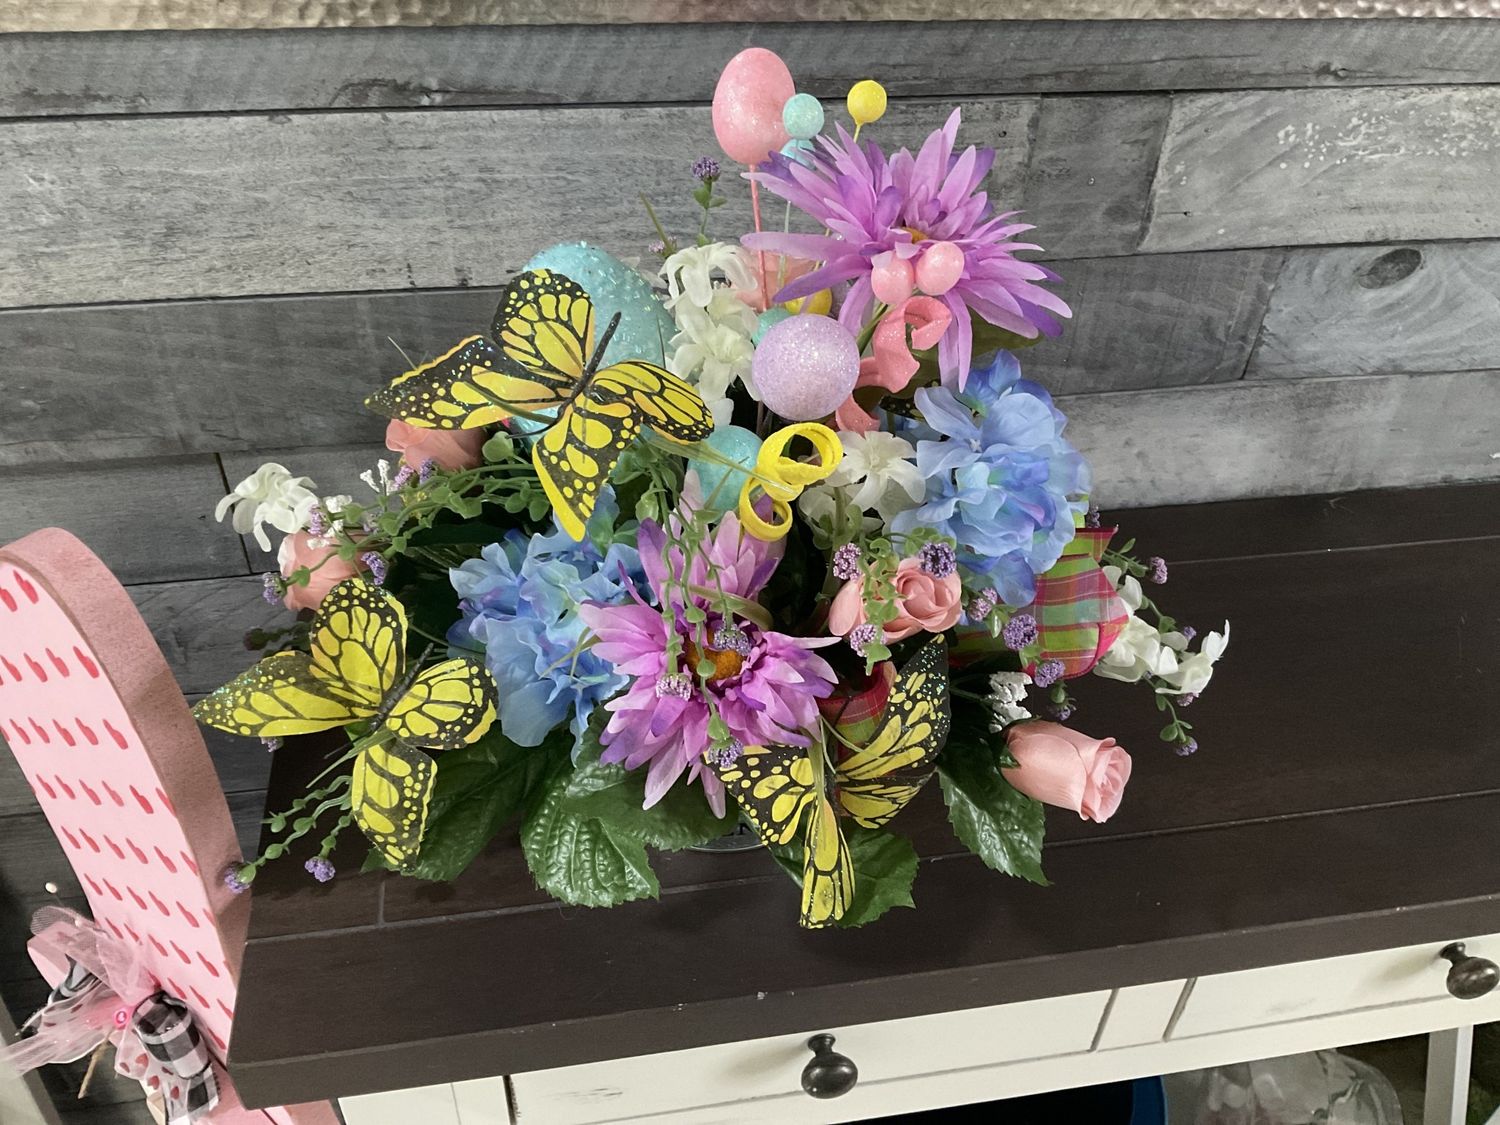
<point>893,365</point>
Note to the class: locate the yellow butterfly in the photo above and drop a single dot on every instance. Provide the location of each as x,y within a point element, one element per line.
<point>778,788</point>
<point>356,672</point>
<point>543,360</point>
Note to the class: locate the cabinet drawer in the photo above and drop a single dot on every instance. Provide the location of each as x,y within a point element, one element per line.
<point>1307,989</point>
<point>763,1068</point>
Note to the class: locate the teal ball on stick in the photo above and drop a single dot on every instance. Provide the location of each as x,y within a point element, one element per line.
<point>645,324</point>
<point>721,484</point>
<point>803,116</point>
<point>799,150</point>
<point>768,320</point>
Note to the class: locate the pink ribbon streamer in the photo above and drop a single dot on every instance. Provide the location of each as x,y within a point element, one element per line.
<point>892,365</point>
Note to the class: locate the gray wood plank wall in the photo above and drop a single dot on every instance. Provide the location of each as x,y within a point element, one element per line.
<point>1282,241</point>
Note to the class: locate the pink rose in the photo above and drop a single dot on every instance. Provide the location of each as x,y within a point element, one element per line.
<point>450,450</point>
<point>923,602</point>
<point>321,557</point>
<point>1061,767</point>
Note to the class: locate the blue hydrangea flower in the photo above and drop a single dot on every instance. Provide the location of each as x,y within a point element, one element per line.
<point>1001,479</point>
<point>520,603</point>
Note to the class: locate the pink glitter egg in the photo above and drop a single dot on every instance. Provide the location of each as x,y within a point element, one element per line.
<point>805,367</point>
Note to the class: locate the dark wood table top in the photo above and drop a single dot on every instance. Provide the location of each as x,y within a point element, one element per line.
<point>1345,799</point>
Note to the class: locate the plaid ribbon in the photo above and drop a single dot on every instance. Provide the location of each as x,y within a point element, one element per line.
<point>100,1000</point>
<point>1078,613</point>
<point>856,714</point>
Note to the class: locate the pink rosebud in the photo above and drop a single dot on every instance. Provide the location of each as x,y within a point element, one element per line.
<point>321,557</point>
<point>1061,767</point>
<point>923,602</point>
<point>450,450</point>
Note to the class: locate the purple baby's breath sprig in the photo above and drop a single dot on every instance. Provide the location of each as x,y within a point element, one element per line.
<point>674,683</point>
<point>1184,749</point>
<point>846,563</point>
<point>424,474</point>
<point>320,868</point>
<point>1047,673</point>
<point>376,565</point>
<point>937,559</point>
<point>1019,632</point>
<point>402,478</point>
<point>317,521</point>
<point>656,246</point>
<point>1187,699</point>
<point>726,754</point>
<point>1188,632</point>
<point>706,168</point>
<point>272,744</point>
<point>1157,569</point>
<point>234,877</point>
<point>271,588</point>
<point>731,638</point>
<point>983,603</point>
<point>1059,712</point>
<point>1091,517</point>
<point>861,637</point>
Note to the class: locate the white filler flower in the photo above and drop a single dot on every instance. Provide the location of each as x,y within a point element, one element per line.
<point>270,495</point>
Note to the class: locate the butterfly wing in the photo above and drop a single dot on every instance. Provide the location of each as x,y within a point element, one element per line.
<point>827,869</point>
<point>773,785</point>
<point>545,325</point>
<point>278,697</point>
<point>575,457</point>
<point>875,783</point>
<point>389,797</point>
<point>358,643</point>
<point>656,396</point>
<point>448,705</point>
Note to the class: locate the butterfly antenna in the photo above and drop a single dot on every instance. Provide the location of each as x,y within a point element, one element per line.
<point>406,358</point>
<point>614,322</point>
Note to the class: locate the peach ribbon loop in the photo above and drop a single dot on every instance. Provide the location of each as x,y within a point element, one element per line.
<point>782,478</point>
<point>892,365</point>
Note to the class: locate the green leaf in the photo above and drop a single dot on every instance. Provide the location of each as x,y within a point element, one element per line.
<point>614,795</point>
<point>885,865</point>
<point>477,790</point>
<point>580,859</point>
<point>994,820</point>
<point>500,446</point>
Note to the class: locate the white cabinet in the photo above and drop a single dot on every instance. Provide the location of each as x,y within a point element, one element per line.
<point>953,1058</point>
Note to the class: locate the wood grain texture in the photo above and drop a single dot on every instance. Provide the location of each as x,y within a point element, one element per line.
<point>1361,310</point>
<point>200,627</point>
<point>1088,188</point>
<point>1288,167</point>
<point>1155,321</point>
<point>1288,437</point>
<point>148,521</point>
<point>256,373</point>
<point>102,15</point>
<point>359,68</point>
<point>355,201</point>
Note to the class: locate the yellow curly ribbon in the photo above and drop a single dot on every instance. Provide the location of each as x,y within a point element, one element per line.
<point>783,478</point>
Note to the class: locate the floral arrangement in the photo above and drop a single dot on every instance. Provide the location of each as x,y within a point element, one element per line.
<point>758,540</point>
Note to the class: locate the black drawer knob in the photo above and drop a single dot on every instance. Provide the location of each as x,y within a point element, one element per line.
<point>829,1074</point>
<point>1471,977</point>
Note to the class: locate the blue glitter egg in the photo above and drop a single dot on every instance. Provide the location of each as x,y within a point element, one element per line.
<point>645,324</point>
<point>721,484</point>
<point>768,320</point>
<point>803,116</point>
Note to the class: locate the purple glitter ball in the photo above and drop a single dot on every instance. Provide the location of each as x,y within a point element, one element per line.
<point>674,683</point>
<point>706,168</point>
<point>235,881</point>
<point>1158,573</point>
<point>271,588</point>
<point>1186,748</point>
<point>1047,673</point>
<point>937,559</point>
<point>846,563</point>
<point>861,636</point>
<point>320,869</point>
<point>376,565</point>
<point>1091,518</point>
<point>1187,699</point>
<point>1019,632</point>
<point>983,603</point>
<point>731,638</point>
